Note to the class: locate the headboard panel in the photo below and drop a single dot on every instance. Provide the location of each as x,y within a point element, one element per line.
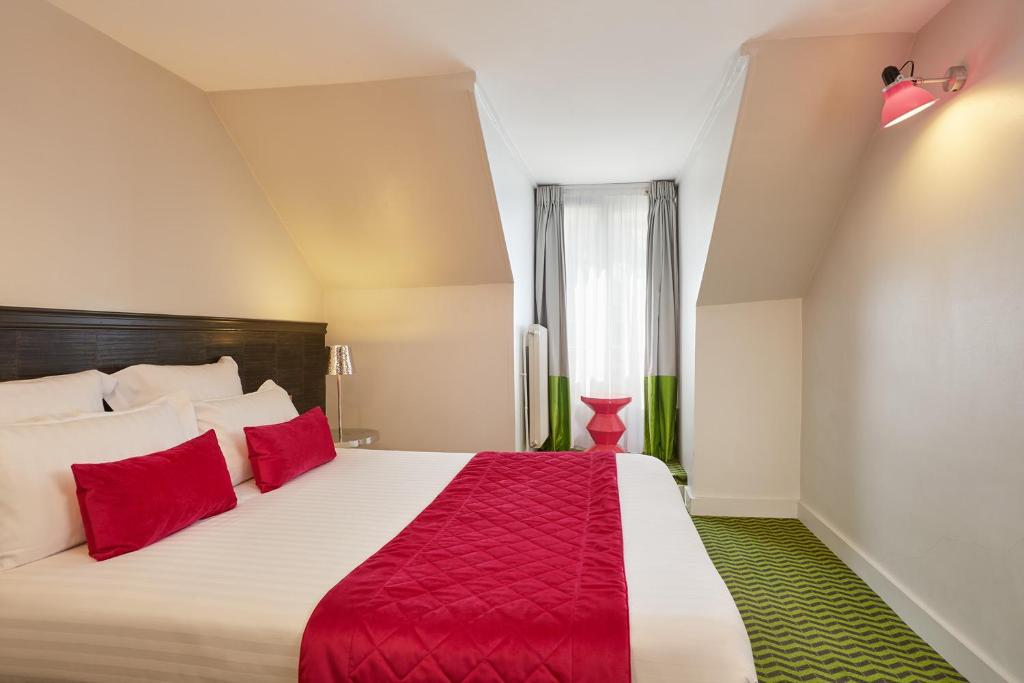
<point>37,341</point>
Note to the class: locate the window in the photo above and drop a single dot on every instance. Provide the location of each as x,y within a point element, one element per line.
<point>605,228</point>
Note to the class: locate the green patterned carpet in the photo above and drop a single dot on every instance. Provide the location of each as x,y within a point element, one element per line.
<point>678,473</point>
<point>809,617</point>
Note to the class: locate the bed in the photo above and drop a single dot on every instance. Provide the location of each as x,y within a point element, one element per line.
<point>228,598</point>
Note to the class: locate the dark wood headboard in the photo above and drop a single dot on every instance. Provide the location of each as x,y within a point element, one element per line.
<point>37,341</point>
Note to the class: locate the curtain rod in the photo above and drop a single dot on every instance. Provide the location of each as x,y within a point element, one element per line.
<point>604,186</point>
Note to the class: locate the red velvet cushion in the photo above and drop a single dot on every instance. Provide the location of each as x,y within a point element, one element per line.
<point>132,503</point>
<point>281,452</point>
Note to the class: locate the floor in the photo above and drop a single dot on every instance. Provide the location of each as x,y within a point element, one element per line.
<point>809,617</point>
<point>678,473</point>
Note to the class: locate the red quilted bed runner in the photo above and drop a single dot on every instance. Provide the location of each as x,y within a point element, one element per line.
<point>513,574</point>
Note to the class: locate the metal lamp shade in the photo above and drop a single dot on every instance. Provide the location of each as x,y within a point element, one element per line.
<point>339,360</point>
<point>903,99</point>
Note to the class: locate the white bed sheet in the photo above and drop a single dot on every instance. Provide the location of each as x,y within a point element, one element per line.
<point>228,599</point>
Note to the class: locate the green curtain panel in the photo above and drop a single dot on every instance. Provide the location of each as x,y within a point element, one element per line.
<point>560,415</point>
<point>661,362</point>
<point>549,292</point>
<point>661,406</point>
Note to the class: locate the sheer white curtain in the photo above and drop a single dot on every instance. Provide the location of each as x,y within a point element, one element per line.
<point>605,277</point>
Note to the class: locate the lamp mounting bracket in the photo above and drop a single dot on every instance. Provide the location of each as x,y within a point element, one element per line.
<point>955,78</point>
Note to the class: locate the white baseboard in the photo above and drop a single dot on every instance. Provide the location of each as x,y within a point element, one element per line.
<point>709,506</point>
<point>687,495</point>
<point>965,655</point>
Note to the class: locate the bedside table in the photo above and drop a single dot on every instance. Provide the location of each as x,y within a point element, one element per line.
<point>354,437</point>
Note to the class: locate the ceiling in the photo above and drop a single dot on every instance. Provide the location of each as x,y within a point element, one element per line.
<point>587,90</point>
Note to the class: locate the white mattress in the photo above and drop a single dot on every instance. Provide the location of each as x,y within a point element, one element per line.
<point>228,599</point>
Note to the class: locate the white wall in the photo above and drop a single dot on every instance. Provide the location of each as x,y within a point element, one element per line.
<point>747,409</point>
<point>913,425</point>
<point>120,189</point>
<point>513,191</point>
<point>797,147</point>
<point>700,186</point>
<point>433,365</point>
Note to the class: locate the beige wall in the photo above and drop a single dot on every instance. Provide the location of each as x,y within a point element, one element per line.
<point>409,215</point>
<point>433,365</point>
<point>810,105</point>
<point>740,386</point>
<point>747,410</point>
<point>383,184</point>
<point>752,231</point>
<point>913,423</point>
<point>120,189</point>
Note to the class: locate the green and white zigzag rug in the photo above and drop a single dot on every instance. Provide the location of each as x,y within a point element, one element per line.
<point>809,617</point>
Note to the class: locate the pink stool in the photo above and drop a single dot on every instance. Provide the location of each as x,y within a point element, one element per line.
<point>606,428</point>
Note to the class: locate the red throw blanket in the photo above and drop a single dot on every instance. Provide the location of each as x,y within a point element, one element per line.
<point>512,574</point>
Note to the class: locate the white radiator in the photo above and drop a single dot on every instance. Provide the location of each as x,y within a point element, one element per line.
<point>535,348</point>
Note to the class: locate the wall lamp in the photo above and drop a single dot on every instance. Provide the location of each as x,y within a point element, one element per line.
<point>903,95</point>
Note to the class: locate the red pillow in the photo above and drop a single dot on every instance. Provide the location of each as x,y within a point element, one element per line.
<point>132,503</point>
<point>281,452</point>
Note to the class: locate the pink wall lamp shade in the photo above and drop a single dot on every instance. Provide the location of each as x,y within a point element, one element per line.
<point>903,100</point>
<point>904,97</point>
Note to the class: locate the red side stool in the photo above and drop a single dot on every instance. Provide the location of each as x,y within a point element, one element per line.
<point>606,428</point>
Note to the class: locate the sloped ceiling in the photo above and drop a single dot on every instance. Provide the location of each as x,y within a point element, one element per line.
<point>809,108</point>
<point>588,90</point>
<point>382,184</point>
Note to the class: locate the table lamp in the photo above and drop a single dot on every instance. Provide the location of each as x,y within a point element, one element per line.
<point>339,362</point>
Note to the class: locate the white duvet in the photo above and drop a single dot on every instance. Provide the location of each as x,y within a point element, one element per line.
<point>228,598</point>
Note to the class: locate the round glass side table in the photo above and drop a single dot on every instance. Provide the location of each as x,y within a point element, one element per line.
<point>355,437</point>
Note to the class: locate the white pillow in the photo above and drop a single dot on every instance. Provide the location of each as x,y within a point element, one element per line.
<point>56,396</point>
<point>140,384</point>
<point>39,513</point>
<point>268,405</point>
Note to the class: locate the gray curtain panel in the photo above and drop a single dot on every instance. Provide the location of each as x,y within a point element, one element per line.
<point>549,290</point>
<point>661,380</point>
